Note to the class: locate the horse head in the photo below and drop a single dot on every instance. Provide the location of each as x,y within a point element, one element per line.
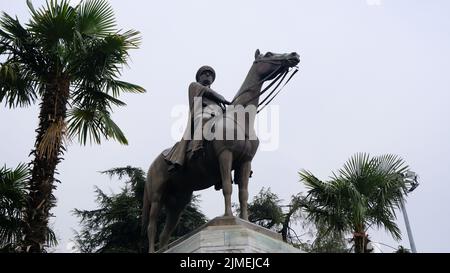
<point>266,67</point>
<point>269,65</point>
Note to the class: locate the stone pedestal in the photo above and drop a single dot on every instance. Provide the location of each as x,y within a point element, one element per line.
<point>231,235</point>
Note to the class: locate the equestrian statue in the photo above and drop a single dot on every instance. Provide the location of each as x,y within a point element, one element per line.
<point>202,160</point>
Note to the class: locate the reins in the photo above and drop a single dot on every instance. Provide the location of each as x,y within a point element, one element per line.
<point>270,96</point>
<point>290,77</point>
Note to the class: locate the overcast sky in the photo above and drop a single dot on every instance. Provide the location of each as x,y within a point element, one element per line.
<point>374,77</point>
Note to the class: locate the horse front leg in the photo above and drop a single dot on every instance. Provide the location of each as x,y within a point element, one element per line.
<point>243,177</point>
<point>225,160</point>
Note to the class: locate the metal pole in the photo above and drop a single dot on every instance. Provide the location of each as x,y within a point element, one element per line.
<point>408,228</point>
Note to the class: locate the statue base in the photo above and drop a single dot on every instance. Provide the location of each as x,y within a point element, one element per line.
<point>231,235</point>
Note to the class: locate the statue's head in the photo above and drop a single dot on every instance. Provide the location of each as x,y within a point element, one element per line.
<point>205,75</point>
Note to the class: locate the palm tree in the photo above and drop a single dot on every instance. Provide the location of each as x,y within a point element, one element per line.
<point>69,58</point>
<point>266,210</point>
<point>13,193</point>
<point>365,192</point>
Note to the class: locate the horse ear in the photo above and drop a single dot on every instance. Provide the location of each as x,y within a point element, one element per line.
<point>257,53</point>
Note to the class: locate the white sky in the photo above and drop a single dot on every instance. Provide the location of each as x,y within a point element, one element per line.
<point>374,77</point>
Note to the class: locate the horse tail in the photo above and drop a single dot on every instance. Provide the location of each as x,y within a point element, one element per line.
<point>145,208</point>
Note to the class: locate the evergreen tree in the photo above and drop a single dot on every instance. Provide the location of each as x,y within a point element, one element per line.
<point>115,226</point>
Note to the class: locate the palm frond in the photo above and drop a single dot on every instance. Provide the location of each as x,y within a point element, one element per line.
<point>50,238</point>
<point>12,30</point>
<point>313,183</point>
<point>96,18</point>
<point>89,95</point>
<point>53,23</point>
<point>19,46</point>
<point>17,87</point>
<point>111,130</point>
<point>84,123</point>
<point>387,221</point>
<point>323,192</point>
<point>131,39</point>
<point>326,215</point>
<point>391,164</point>
<point>93,123</point>
<point>117,86</point>
<point>17,73</point>
<point>103,59</point>
<point>13,184</point>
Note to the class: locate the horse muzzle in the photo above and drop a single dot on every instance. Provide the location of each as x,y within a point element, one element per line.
<point>293,59</point>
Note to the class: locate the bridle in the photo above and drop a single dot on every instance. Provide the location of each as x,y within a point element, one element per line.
<point>282,71</point>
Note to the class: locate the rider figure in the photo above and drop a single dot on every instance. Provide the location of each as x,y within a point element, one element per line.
<point>201,89</point>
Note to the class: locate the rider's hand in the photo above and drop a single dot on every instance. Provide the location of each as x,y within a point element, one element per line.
<point>222,105</point>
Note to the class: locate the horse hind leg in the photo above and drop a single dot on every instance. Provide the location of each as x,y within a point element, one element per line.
<point>153,216</point>
<point>225,160</point>
<point>154,189</point>
<point>174,205</point>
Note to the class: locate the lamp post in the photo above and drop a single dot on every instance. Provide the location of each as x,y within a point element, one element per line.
<point>411,179</point>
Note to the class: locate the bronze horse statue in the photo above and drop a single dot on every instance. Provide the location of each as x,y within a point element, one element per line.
<point>174,190</point>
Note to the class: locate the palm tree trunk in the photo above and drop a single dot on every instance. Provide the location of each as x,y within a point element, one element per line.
<point>360,238</point>
<point>359,244</point>
<point>48,147</point>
